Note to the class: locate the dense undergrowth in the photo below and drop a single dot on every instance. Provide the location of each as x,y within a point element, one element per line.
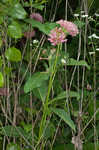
<point>49,75</point>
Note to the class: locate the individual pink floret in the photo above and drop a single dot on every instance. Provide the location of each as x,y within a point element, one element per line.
<point>57,36</point>
<point>70,27</point>
<point>36,16</point>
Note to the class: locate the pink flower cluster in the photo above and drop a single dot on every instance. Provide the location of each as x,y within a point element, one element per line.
<point>29,34</point>
<point>70,27</point>
<point>57,36</point>
<point>36,16</point>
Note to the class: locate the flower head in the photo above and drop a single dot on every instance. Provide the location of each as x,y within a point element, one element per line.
<point>29,34</point>
<point>57,36</point>
<point>36,16</point>
<point>70,27</point>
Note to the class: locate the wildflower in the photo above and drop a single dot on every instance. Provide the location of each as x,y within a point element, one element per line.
<point>97,49</point>
<point>57,36</point>
<point>35,41</point>
<point>29,34</point>
<point>84,16</point>
<point>97,15</point>
<point>37,17</point>
<point>70,27</point>
<point>63,61</point>
<point>91,53</point>
<point>76,15</point>
<point>90,18</point>
<point>93,36</point>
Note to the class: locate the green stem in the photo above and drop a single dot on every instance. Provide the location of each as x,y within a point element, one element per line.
<point>45,111</point>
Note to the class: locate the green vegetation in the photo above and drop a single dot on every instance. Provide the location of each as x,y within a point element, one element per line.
<point>49,75</point>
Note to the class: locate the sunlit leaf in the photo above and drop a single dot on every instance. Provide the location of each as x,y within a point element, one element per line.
<point>13,54</point>
<point>1,80</point>
<point>18,12</point>
<point>14,30</point>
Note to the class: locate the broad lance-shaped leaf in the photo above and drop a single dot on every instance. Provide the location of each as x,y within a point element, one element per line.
<point>73,62</point>
<point>64,116</point>
<point>14,30</point>
<point>35,81</point>
<point>13,54</point>
<point>45,28</point>
<point>64,94</point>
<point>1,80</point>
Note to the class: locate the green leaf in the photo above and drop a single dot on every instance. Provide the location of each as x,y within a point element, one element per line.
<point>13,54</point>
<point>35,81</point>
<point>49,131</point>
<point>7,70</point>
<point>64,116</point>
<point>12,131</point>
<point>63,95</point>
<point>3,11</point>
<point>45,28</point>
<point>40,92</point>
<point>18,12</point>
<point>1,80</point>
<point>14,30</point>
<point>36,6</point>
<point>13,146</point>
<point>1,42</point>
<point>73,62</point>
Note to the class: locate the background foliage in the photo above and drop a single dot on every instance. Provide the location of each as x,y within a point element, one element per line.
<point>44,108</point>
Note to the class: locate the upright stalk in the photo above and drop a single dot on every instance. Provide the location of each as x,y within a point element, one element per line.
<point>45,110</point>
<point>95,138</point>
